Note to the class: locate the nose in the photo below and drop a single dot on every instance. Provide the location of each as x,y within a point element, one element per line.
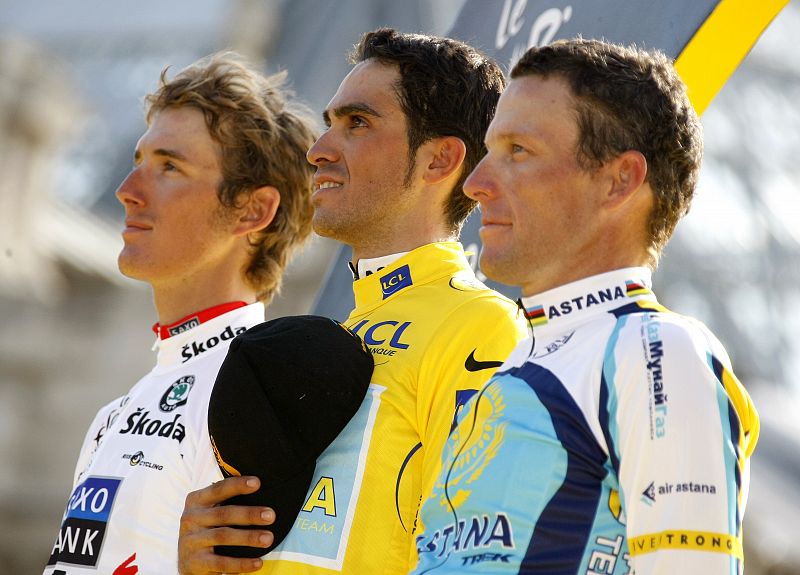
<point>129,191</point>
<point>322,151</point>
<point>479,185</point>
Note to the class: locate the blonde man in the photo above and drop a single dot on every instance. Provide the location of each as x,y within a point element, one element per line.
<point>217,200</point>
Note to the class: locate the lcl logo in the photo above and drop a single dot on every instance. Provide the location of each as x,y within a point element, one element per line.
<point>395,281</point>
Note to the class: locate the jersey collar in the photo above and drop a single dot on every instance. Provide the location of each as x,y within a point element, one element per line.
<point>579,301</point>
<point>194,319</point>
<point>417,267</point>
<point>368,266</point>
<point>196,342</point>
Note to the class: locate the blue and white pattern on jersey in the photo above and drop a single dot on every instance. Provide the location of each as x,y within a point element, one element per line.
<point>598,450</point>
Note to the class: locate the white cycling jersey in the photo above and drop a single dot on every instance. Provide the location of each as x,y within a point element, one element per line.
<point>617,440</point>
<point>143,454</point>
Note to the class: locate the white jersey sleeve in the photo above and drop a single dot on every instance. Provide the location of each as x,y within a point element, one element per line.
<point>680,443</point>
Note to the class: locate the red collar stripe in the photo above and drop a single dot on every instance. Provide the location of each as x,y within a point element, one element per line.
<point>195,319</point>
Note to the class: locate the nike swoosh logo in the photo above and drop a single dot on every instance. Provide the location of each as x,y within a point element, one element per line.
<point>473,364</point>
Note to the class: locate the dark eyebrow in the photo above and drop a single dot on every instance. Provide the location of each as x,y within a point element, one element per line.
<point>349,109</point>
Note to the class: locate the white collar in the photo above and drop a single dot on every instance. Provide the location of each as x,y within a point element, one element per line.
<point>561,307</point>
<point>368,266</point>
<point>198,341</point>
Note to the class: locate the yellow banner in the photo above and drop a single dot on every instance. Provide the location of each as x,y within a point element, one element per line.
<point>721,43</point>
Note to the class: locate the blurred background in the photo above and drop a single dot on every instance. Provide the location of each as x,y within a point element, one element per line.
<point>75,334</point>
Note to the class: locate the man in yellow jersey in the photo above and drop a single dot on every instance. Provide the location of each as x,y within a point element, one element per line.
<point>404,130</point>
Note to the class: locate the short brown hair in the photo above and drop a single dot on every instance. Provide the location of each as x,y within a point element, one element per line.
<point>627,98</point>
<point>446,88</point>
<point>264,139</point>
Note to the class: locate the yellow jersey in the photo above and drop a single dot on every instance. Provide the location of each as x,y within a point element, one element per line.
<point>437,334</point>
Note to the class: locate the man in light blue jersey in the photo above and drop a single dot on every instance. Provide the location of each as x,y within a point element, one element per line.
<point>617,437</point>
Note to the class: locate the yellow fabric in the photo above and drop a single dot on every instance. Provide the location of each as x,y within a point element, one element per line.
<point>687,540</point>
<point>750,424</point>
<point>435,316</point>
<point>721,43</point>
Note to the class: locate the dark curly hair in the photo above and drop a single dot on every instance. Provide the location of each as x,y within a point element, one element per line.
<point>446,88</point>
<point>627,98</point>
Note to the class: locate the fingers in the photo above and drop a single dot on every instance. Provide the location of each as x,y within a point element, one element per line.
<point>221,490</point>
<point>238,537</point>
<point>205,524</point>
<point>196,551</point>
<point>205,562</point>
<point>201,508</point>
<point>224,515</point>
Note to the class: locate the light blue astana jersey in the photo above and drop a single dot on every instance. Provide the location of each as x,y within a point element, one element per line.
<point>616,440</point>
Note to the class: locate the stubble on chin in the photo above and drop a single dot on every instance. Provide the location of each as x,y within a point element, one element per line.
<point>342,227</point>
<point>321,225</point>
<point>499,266</point>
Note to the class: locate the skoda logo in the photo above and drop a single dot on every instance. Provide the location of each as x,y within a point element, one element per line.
<point>176,394</point>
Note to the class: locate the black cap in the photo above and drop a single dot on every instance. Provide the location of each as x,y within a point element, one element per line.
<point>284,392</point>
